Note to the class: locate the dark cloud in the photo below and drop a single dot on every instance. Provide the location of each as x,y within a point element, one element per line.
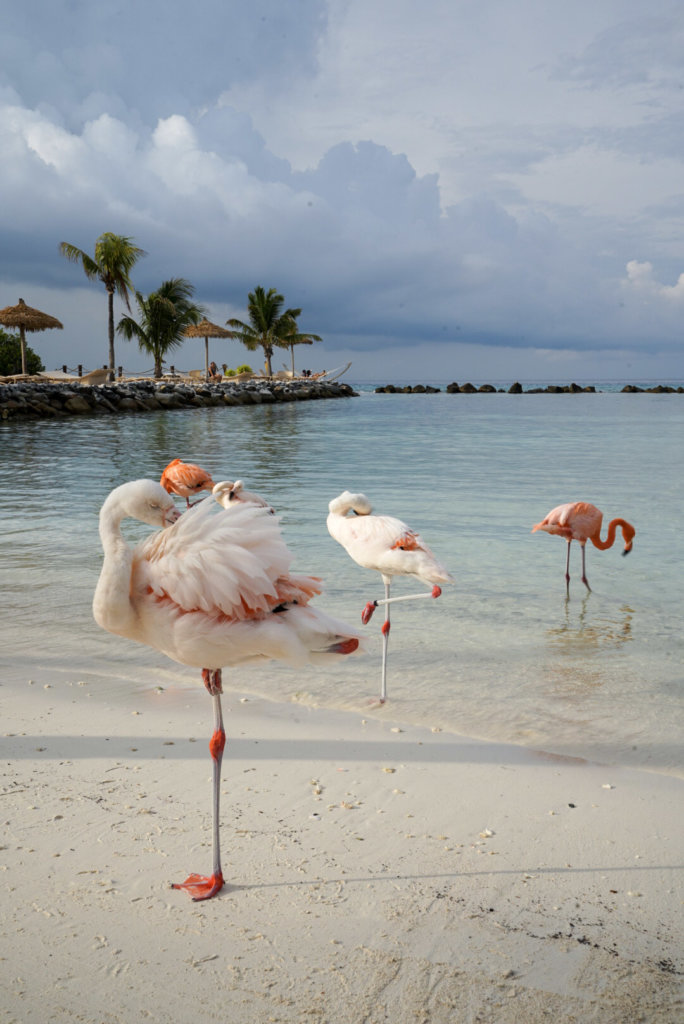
<point>122,118</point>
<point>155,58</point>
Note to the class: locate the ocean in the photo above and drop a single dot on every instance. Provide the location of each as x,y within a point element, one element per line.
<point>503,655</point>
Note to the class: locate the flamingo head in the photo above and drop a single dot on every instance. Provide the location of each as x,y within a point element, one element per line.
<point>348,502</point>
<point>628,533</point>
<point>227,491</point>
<point>147,501</point>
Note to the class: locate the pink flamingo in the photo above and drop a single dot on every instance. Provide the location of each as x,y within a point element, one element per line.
<point>185,479</point>
<point>581,521</point>
<point>209,589</point>
<point>388,546</point>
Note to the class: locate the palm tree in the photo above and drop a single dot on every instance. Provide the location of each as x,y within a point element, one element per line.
<point>164,315</point>
<point>115,257</point>
<point>267,325</point>
<point>293,336</point>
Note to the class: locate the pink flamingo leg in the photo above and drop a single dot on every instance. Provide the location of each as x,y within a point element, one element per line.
<point>585,581</point>
<point>567,570</point>
<point>202,887</point>
<point>385,642</point>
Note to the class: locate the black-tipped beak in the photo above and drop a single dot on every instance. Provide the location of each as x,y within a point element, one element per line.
<point>626,551</point>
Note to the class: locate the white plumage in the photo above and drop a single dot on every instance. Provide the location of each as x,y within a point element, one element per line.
<point>388,546</point>
<point>211,588</point>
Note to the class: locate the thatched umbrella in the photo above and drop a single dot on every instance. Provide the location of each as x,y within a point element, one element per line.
<point>205,329</point>
<point>26,319</point>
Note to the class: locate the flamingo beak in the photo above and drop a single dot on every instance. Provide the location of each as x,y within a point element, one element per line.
<point>171,515</point>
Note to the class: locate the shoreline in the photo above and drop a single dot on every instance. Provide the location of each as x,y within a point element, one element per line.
<point>36,399</point>
<point>374,872</point>
<point>518,389</point>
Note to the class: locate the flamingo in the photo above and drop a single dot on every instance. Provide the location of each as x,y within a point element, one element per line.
<point>185,479</point>
<point>209,589</point>
<point>581,521</point>
<point>389,546</point>
<point>229,494</point>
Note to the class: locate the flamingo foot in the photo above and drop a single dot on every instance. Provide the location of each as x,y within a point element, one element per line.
<point>367,612</point>
<point>200,887</point>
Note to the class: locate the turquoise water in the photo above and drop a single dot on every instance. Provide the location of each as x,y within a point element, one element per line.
<point>502,655</point>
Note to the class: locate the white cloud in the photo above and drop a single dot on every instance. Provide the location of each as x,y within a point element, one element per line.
<point>641,278</point>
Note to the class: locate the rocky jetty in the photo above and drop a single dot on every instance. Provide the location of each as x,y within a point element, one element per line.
<point>45,399</point>
<point>517,389</point>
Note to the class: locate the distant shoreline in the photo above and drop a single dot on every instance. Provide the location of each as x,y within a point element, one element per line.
<point>33,399</point>
<point>518,389</point>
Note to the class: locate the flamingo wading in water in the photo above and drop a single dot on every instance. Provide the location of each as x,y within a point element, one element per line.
<point>581,521</point>
<point>391,548</point>
<point>185,479</point>
<point>210,589</point>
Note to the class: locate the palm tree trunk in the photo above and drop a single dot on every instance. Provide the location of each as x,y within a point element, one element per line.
<point>110,303</point>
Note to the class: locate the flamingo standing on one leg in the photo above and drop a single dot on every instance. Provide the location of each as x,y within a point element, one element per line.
<point>581,521</point>
<point>389,546</point>
<point>211,589</point>
<point>185,479</point>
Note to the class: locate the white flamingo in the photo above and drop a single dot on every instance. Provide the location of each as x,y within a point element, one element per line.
<point>209,589</point>
<point>230,493</point>
<point>391,548</point>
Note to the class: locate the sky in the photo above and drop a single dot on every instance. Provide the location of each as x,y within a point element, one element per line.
<point>481,190</point>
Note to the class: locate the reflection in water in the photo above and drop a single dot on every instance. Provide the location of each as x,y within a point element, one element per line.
<point>585,634</point>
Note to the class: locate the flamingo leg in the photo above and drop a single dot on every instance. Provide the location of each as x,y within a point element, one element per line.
<point>367,614</point>
<point>385,642</point>
<point>372,605</point>
<point>585,581</point>
<point>202,887</point>
<point>567,570</point>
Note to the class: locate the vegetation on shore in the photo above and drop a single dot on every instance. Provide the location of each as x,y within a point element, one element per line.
<point>115,257</point>
<point>10,356</point>
<point>166,312</point>
<point>163,317</point>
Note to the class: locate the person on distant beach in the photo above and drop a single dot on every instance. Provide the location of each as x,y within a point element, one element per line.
<point>214,372</point>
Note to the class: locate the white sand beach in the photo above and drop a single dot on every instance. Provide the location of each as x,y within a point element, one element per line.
<point>376,872</point>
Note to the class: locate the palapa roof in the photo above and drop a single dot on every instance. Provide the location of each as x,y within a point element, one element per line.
<point>205,329</point>
<point>25,316</point>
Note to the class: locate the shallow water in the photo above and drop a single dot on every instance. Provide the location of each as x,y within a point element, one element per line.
<point>501,655</point>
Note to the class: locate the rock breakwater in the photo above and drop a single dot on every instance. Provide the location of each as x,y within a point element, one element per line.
<point>48,399</point>
<point>517,389</point>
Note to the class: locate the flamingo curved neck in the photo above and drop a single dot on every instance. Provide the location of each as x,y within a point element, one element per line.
<point>603,545</point>
<point>112,605</point>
